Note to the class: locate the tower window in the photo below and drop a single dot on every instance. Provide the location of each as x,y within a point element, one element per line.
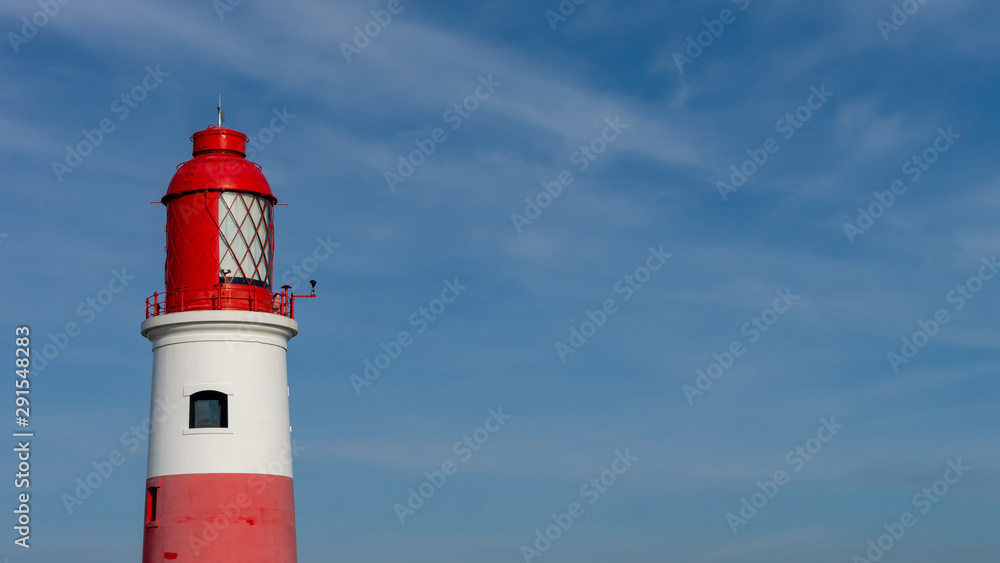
<point>151,504</point>
<point>209,409</point>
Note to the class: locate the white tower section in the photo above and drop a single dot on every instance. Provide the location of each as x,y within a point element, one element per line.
<point>240,354</point>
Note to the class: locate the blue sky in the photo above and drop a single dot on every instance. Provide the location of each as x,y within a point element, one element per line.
<point>655,185</point>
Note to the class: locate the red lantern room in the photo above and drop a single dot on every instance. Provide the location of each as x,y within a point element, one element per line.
<point>220,231</point>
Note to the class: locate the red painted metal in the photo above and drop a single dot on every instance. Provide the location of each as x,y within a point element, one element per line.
<point>221,517</point>
<point>222,297</point>
<point>219,138</point>
<point>220,160</point>
<point>220,229</point>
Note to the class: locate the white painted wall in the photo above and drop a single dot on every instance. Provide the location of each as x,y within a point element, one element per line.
<point>240,353</point>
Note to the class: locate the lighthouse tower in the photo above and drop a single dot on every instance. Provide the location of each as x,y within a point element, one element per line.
<point>219,475</point>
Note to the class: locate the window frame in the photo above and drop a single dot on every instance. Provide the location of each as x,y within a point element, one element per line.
<point>209,395</point>
<point>152,499</point>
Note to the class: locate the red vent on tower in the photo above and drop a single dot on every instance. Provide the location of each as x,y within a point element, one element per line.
<point>220,231</point>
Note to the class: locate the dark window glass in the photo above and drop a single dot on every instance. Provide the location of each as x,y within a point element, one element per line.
<point>209,409</point>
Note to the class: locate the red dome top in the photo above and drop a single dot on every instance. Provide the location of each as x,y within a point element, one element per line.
<point>219,164</point>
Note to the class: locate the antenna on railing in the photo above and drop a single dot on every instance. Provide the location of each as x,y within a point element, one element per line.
<point>291,303</point>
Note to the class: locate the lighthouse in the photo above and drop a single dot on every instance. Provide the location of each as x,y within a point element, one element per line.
<point>219,472</point>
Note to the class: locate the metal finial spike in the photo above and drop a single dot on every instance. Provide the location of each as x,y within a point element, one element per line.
<point>222,114</point>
